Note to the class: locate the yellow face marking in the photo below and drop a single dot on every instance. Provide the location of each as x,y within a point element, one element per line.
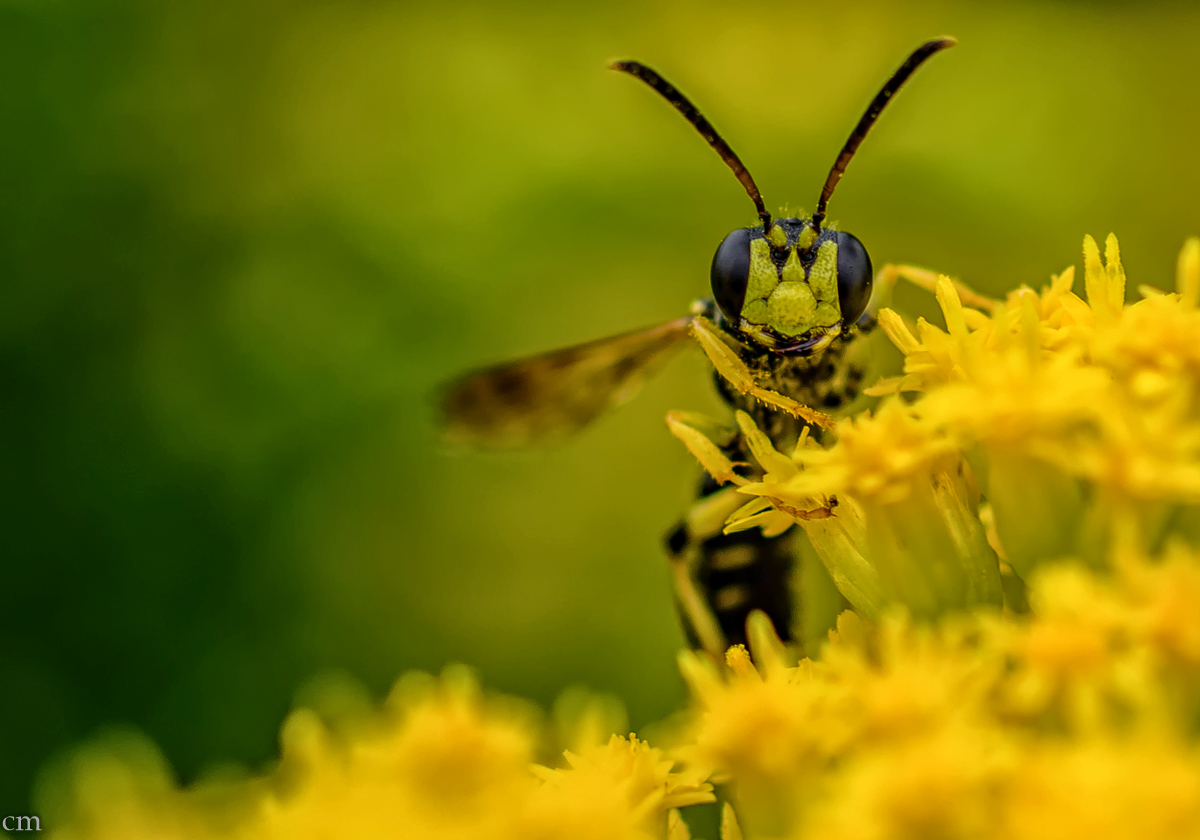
<point>777,236</point>
<point>827,315</point>
<point>755,311</point>
<point>791,308</point>
<point>763,276</point>
<point>822,276</point>
<point>788,300</point>
<point>793,272</point>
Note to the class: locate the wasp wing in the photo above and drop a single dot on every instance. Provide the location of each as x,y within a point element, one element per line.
<point>556,393</point>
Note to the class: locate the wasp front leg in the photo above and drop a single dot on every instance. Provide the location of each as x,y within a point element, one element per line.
<point>922,278</point>
<point>684,544</point>
<point>730,366</point>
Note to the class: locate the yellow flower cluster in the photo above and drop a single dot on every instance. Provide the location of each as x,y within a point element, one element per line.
<point>1017,529</point>
<point>1078,722</point>
<point>1039,427</point>
<point>441,762</point>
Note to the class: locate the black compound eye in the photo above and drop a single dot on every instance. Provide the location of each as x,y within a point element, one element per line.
<point>854,277</point>
<point>731,272</point>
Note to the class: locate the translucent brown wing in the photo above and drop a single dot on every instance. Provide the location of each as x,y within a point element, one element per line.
<point>548,396</point>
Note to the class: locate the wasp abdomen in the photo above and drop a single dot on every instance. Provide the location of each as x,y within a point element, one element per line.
<point>721,578</point>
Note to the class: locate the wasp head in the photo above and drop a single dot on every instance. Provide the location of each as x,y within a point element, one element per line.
<point>792,288</point>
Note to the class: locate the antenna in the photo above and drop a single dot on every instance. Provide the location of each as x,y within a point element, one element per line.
<point>692,114</point>
<point>876,107</point>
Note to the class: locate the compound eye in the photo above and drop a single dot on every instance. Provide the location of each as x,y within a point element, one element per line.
<point>854,277</point>
<point>731,273</point>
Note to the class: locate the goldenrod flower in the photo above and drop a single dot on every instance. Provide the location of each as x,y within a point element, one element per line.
<point>1077,722</point>
<point>621,789</point>
<point>439,762</point>
<point>442,761</point>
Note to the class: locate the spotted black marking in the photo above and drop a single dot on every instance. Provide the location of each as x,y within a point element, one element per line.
<point>677,539</point>
<point>511,386</point>
<point>766,581</point>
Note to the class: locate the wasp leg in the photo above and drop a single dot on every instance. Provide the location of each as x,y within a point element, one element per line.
<point>889,275</point>
<point>727,362</point>
<point>707,440</point>
<point>684,542</point>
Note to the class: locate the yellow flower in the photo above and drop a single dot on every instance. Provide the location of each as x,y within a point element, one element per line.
<point>1081,417</point>
<point>1104,788</point>
<point>1165,604</point>
<point>782,736</point>
<point>754,729</point>
<point>1067,665</point>
<point>120,787</point>
<point>442,760</point>
<point>620,789</point>
<point>906,527</point>
<point>439,762</point>
<point>946,784</point>
<point>1077,720</point>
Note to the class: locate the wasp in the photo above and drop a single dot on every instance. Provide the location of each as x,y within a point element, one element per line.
<point>784,330</point>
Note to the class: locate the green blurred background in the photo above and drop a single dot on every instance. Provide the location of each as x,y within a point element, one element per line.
<point>243,243</point>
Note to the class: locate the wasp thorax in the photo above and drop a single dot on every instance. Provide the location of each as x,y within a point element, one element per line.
<point>791,288</point>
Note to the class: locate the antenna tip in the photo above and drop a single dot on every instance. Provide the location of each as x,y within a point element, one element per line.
<point>623,66</point>
<point>940,43</point>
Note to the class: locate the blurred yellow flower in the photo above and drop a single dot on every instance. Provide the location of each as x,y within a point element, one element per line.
<point>441,761</point>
